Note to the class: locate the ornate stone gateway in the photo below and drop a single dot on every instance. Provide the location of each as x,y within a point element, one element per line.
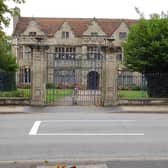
<point>65,77</point>
<point>73,78</point>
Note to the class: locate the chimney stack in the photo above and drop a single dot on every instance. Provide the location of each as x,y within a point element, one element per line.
<point>16,17</point>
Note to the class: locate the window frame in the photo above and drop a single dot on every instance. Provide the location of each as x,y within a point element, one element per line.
<point>122,35</point>
<point>65,35</point>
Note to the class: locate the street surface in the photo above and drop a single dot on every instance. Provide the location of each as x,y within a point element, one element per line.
<point>85,136</point>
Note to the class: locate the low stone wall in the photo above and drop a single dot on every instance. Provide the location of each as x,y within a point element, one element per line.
<point>14,101</point>
<point>143,101</point>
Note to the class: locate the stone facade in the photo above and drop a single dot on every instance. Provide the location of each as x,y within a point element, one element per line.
<point>59,43</point>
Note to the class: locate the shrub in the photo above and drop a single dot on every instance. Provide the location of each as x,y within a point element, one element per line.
<point>50,85</point>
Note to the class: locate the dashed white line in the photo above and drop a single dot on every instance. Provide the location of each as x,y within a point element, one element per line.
<point>35,128</point>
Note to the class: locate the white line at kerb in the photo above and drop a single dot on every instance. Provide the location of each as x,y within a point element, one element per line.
<point>35,128</point>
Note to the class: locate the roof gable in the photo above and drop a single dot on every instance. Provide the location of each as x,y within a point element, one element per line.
<point>33,26</point>
<point>65,27</point>
<point>94,27</point>
<point>122,27</point>
<point>78,25</point>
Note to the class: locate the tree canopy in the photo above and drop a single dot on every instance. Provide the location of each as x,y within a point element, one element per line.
<point>146,48</point>
<point>5,9</point>
<point>7,59</point>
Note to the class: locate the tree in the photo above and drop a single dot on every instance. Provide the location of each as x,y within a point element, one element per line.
<point>5,10</point>
<point>146,51</point>
<point>7,59</point>
<point>8,64</point>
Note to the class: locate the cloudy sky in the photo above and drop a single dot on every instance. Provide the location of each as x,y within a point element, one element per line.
<point>90,8</point>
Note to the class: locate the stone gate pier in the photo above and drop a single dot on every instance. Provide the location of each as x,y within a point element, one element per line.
<point>109,75</point>
<point>38,76</point>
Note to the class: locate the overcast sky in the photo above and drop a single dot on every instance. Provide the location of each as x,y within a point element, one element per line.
<point>90,8</point>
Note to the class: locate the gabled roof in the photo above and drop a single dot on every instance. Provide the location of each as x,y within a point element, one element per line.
<point>78,25</point>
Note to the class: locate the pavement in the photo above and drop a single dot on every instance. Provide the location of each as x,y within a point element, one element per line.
<point>115,109</point>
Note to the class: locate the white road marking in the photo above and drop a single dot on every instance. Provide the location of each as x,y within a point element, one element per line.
<point>88,121</point>
<point>35,128</point>
<point>92,134</point>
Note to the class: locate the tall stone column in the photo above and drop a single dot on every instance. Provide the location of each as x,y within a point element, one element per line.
<point>84,64</point>
<point>38,76</point>
<point>109,75</point>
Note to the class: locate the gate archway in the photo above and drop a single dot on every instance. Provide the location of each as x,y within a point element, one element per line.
<point>93,80</point>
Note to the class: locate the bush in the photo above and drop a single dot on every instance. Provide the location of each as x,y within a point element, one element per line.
<point>50,85</point>
<point>134,87</point>
<point>16,93</point>
<point>131,87</point>
<point>24,86</point>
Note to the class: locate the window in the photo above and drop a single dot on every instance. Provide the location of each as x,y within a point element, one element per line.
<point>65,53</point>
<point>32,33</point>
<point>122,35</point>
<point>119,54</point>
<point>27,53</point>
<point>64,77</point>
<point>93,53</point>
<point>65,35</point>
<point>119,57</point>
<point>94,34</point>
<point>25,75</point>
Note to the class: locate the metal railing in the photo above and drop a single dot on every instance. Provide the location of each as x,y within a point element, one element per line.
<point>134,86</point>
<point>10,87</point>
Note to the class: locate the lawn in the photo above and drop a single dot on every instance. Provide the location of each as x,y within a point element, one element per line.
<point>55,94</point>
<point>16,93</point>
<point>51,94</point>
<point>132,94</point>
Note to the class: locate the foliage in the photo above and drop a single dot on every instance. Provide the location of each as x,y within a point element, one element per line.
<point>56,94</point>
<point>50,85</point>
<point>7,59</point>
<point>16,93</point>
<point>132,94</point>
<point>5,10</point>
<point>131,87</point>
<point>24,86</point>
<point>145,49</point>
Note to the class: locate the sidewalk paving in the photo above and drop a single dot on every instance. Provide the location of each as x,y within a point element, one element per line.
<point>114,109</point>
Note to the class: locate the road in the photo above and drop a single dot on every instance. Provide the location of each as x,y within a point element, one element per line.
<point>76,135</point>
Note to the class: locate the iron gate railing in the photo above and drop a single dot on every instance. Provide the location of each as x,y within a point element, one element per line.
<point>73,79</point>
<point>132,85</point>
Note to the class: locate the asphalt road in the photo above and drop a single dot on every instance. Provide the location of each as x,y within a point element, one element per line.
<point>89,136</point>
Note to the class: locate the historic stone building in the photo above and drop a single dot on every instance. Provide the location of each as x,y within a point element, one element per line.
<point>72,48</point>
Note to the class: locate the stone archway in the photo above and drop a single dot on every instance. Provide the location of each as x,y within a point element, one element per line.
<point>93,80</point>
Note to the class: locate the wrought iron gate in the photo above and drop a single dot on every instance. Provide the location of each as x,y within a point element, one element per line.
<point>74,79</point>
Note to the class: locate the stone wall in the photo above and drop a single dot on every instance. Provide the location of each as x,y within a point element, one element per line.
<point>14,101</point>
